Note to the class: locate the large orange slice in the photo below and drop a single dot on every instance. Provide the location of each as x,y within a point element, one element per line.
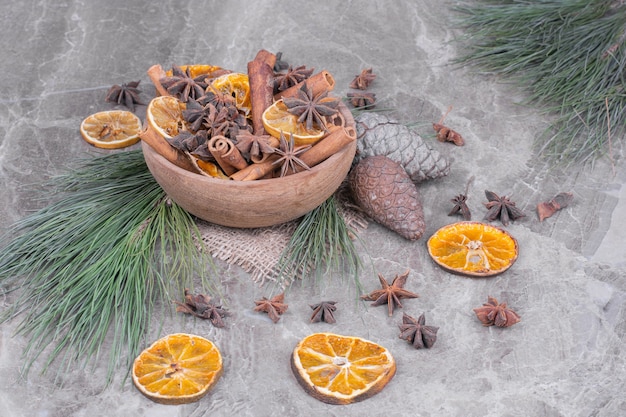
<point>165,115</point>
<point>473,249</point>
<point>341,369</point>
<point>177,369</point>
<point>276,119</point>
<point>111,129</point>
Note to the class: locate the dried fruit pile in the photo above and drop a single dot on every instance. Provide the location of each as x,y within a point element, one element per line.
<point>245,126</point>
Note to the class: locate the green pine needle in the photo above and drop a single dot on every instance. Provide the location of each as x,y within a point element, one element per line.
<point>93,265</point>
<point>322,241</point>
<point>572,56</point>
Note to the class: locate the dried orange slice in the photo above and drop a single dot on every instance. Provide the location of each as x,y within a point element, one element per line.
<point>276,118</point>
<point>236,84</point>
<point>196,70</point>
<point>111,129</point>
<point>341,369</point>
<point>165,115</point>
<point>177,369</point>
<point>473,248</point>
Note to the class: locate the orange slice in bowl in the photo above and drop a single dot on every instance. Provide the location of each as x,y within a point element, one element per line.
<point>341,369</point>
<point>276,118</point>
<point>111,129</point>
<point>177,369</point>
<point>196,70</point>
<point>236,84</point>
<point>473,249</point>
<point>165,115</point>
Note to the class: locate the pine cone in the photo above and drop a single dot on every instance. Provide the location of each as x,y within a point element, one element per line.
<point>380,135</point>
<point>383,189</point>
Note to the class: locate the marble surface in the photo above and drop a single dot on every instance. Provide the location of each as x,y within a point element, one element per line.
<point>566,356</point>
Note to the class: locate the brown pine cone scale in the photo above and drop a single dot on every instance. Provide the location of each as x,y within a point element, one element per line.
<point>384,191</point>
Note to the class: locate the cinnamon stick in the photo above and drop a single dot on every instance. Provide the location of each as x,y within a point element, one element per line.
<point>163,148</point>
<point>256,171</point>
<point>226,154</point>
<point>261,79</point>
<point>333,142</point>
<point>319,83</point>
<point>156,72</point>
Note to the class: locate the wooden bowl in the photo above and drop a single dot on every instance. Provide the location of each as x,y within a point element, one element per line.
<point>251,204</point>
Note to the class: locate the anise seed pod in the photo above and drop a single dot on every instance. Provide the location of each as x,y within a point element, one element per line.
<point>379,134</point>
<point>383,189</point>
<point>546,209</point>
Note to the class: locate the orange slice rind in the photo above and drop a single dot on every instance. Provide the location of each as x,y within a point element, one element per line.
<point>341,369</point>
<point>276,118</point>
<point>165,115</point>
<point>111,129</point>
<point>473,249</point>
<point>177,369</point>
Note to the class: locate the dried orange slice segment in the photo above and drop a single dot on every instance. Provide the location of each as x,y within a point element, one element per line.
<point>177,369</point>
<point>341,369</point>
<point>111,129</point>
<point>236,84</point>
<point>165,115</point>
<point>276,118</point>
<point>473,249</point>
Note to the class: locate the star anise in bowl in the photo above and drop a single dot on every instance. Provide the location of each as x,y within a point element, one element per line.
<point>293,76</point>
<point>311,109</point>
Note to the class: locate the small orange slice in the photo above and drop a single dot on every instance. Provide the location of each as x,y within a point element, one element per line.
<point>341,369</point>
<point>473,249</point>
<point>165,115</point>
<point>196,70</point>
<point>276,118</point>
<point>236,84</point>
<point>111,129</point>
<point>177,369</point>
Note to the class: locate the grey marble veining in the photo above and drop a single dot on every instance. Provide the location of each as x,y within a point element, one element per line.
<point>565,358</point>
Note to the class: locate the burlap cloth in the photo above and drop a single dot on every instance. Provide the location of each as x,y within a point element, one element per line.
<point>258,251</point>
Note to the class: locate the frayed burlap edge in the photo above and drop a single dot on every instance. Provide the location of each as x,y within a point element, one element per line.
<point>258,251</point>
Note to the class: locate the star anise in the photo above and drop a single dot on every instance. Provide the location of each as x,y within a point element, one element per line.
<point>460,204</point>
<point>280,63</point>
<point>217,122</point>
<point>217,98</point>
<point>417,333</point>
<point>289,155</point>
<point>390,294</point>
<point>253,146</point>
<point>126,94</point>
<point>311,109</point>
<point>324,311</point>
<point>194,114</point>
<point>492,313</point>
<point>182,85</point>
<point>187,141</point>
<point>202,152</point>
<point>502,208</point>
<point>362,100</point>
<point>274,307</point>
<point>293,76</point>
<point>363,80</point>
<point>202,306</point>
